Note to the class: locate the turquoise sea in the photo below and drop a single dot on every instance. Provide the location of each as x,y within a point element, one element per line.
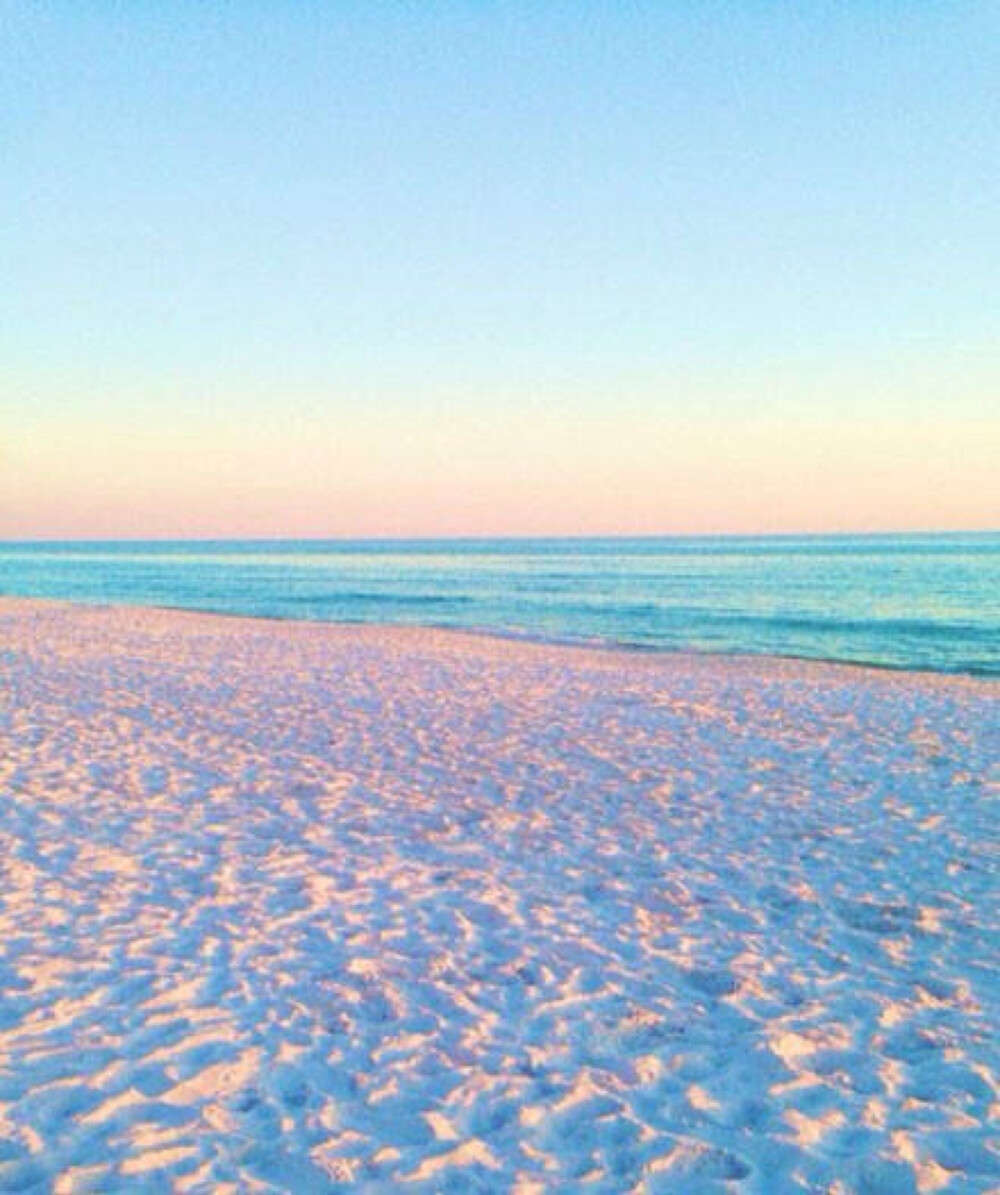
<point>903,601</point>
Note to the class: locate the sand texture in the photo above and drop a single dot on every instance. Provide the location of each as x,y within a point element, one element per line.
<point>289,907</point>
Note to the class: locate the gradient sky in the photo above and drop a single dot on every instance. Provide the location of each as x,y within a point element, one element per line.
<point>473,268</point>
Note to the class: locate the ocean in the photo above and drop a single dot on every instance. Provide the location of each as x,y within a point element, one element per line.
<point>900,601</point>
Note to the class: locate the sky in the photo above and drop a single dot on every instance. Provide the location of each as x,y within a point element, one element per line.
<point>474,268</point>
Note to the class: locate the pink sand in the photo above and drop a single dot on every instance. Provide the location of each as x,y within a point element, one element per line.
<point>293,907</point>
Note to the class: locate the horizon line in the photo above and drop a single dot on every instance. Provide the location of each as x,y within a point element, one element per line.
<point>492,538</point>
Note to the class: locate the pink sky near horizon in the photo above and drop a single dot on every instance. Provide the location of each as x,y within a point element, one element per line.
<point>543,470</point>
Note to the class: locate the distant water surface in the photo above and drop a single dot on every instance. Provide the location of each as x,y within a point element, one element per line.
<point>914,601</point>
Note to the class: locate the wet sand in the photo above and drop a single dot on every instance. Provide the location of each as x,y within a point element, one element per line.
<point>294,907</point>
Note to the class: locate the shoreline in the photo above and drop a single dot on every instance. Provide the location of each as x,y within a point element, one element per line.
<point>529,639</point>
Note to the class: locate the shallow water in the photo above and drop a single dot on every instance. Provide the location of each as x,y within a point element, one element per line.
<point>915,601</point>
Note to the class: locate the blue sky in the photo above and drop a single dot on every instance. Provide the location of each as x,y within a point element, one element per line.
<point>433,247</point>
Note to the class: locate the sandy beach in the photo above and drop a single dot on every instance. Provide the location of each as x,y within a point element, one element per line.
<point>300,907</point>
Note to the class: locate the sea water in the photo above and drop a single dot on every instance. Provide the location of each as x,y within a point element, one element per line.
<point>904,601</point>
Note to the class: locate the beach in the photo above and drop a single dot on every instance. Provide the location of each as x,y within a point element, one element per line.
<point>289,906</point>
